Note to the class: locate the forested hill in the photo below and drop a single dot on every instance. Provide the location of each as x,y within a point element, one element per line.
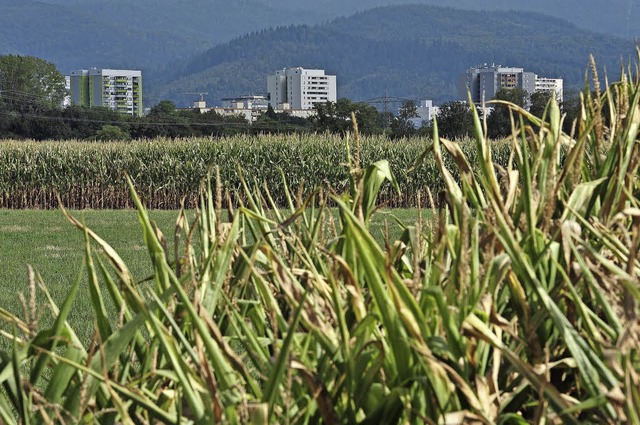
<point>218,20</point>
<point>616,17</point>
<point>144,34</point>
<point>406,51</point>
<point>72,39</point>
<point>124,34</point>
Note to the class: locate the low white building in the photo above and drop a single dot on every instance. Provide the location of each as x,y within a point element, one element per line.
<point>300,89</point>
<point>249,101</point>
<point>426,112</point>
<point>248,107</point>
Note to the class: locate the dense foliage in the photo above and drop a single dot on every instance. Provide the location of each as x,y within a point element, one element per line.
<point>38,122</point>
<point>28,83</point>
<point>516,302</point>
<point>77,122</point>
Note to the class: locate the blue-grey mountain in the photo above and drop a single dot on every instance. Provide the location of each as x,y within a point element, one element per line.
<point>418,52</point>
<point>146,33</point>
<point>141,34</point>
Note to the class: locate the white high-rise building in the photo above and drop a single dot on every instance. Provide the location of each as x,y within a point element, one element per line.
<point>550,85</point>
<point>483,82</point>
<point>299,88</point>
<point>117,89</point>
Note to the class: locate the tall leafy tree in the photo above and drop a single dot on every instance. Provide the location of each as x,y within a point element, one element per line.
<point>538,103</point>
<point>571,109</point>
<point>164,120</point>
<point>110,132</point>
<point>499,121</point>
<point>402,126</point>
<point>335,117</point>
<point>84,123</point>
<point>28,83</point>
<point>455,120</point>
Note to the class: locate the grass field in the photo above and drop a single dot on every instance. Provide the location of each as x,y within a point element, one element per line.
<point>54,248</point>
<point>47,241</point>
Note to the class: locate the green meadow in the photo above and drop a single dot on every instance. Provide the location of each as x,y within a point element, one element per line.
<point>53,247</point>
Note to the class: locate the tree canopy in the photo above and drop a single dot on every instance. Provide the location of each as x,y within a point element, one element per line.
<point>499,120</point>
<point>335,117</point>
<point>28,83</point>
<point>401,126</point>
<point>455,120</point>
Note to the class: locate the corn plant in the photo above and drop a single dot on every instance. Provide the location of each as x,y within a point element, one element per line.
<point>89,174</point>
<point>515,302</point>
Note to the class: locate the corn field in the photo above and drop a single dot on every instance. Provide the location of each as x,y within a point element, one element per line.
<point>91,174</point>
<point>514,303</point>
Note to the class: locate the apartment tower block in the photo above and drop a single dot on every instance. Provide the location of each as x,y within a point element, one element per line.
<point>483,82</point>
<point>116,89</point>
<point>299,88</point>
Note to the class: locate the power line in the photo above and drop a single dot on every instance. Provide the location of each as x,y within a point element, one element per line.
<point>255,125</point>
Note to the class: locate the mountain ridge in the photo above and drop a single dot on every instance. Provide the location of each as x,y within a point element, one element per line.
<point>72,39</point>
<point>616,17</point>
<point>387,49</point>
<point>147,34</point>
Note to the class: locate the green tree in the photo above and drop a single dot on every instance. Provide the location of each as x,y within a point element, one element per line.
<point>112,132</point>
<point>279,122</point>
<point>455,120</point>
<point>28,83</point>
<point>538,103</point>
<point>163,108</point>
<point>271,113</point>
<point>164,120</point>
<point>369,120</point>
<point>499,121</point>
<point>81,122</point>
<point>325,117</point>
<point>571,108</point>
<point>335,117</point>
<point>402,126</point>
<point>212,123</point>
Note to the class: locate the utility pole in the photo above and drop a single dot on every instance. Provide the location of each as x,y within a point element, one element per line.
<point>385,108</point>
<point>201,94</point>
<point>198,104</point>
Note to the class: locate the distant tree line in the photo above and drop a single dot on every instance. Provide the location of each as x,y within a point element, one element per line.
<point>32,90</point>
<point>455,119</point>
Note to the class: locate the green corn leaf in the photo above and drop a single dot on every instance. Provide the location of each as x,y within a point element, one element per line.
<point>6,411</point>
<point>97,301</point>
<point>277,373</point>
<point>374,176</point>
<point>56,332</point>
<point>62,375</point>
